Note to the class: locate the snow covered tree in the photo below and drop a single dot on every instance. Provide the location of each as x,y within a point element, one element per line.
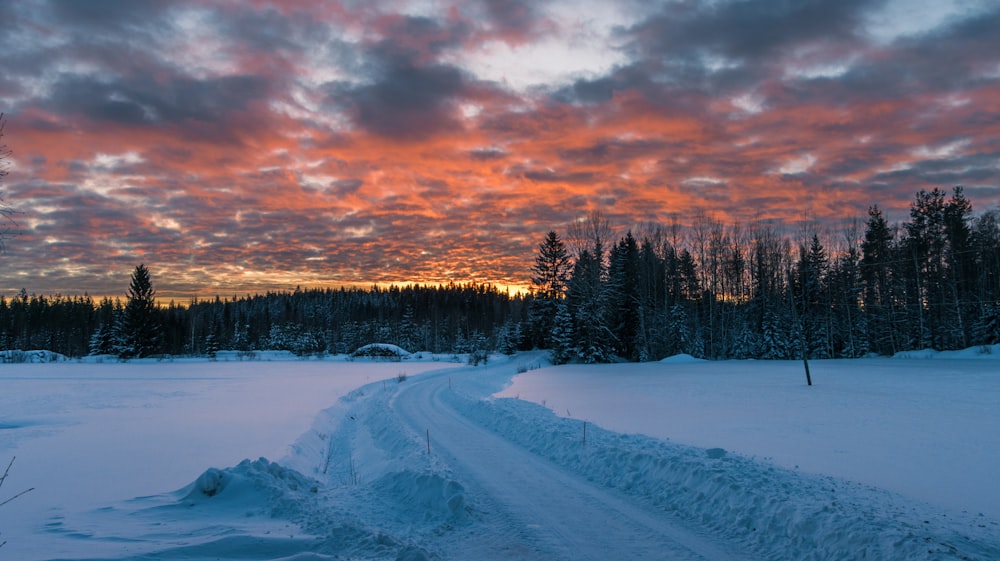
<point>682,341</point>
<point>211,345</point>
<point>592,339</point>
<point>776,342</point>
<point>813,299</point>
<point>102,341</point>
<point>139,328</point>
<point>562,335</point>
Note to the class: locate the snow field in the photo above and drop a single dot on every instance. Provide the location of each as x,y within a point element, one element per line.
<point>773,512</point>
<point>921,427</point>
<point>359,484</point>
<point>92,437</point>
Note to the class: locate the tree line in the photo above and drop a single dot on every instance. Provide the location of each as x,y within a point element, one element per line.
<point>454,318</point>
<point>707,289</point>
<point>735,292</point>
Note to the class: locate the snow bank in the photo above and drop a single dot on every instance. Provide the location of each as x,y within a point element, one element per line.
<point>774,513</point>
<point>382,350</point>
<point>981,352</point>
<point>682,359</point>
<point>35,357</point>
<point>909,426</point>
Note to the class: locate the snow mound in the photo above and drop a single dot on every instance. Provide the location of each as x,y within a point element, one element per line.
<point>381,350</point>
<point>425,496</point>
<point>981,352</point>
<point>258,483</point>
<point>38,356</point>
<point>681,359</point>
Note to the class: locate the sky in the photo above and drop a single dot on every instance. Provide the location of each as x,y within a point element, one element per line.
<point>239,147</point>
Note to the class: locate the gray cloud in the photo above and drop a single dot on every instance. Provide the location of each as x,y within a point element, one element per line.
<point>405,100</point>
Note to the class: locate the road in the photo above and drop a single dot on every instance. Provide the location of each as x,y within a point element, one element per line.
<point>534,509</point>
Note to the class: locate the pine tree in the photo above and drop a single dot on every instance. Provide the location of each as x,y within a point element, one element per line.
<point>624,314</point>
<point>211,345</point>
<point>813,299</point>
<point>102,341</point>
<point>592,339</point>
<point>776,342</point>
<point>549,277</point>
<point>562,335</point>
<point>139,329</point>
<point>876,274</point>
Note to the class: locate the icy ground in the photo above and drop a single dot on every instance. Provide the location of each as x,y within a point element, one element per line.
<point>700,477</point>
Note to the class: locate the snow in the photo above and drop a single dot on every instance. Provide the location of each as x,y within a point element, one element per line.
<point>382,350</point>
<point>919,427</point>
<point>89,435</point>
<point>685,459</point>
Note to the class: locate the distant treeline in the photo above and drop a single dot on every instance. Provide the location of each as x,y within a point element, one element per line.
<point>707,289</point>
<point>441,319</point>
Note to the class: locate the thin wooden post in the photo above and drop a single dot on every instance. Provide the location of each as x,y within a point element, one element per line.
<point>428,442</point>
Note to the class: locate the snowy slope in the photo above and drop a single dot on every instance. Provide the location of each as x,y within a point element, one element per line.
<point>505,479</point>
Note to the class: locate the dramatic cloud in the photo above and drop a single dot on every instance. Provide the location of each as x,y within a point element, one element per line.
<point>237,147</point>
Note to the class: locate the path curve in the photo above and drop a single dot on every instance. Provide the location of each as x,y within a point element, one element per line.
<point>533,508</point>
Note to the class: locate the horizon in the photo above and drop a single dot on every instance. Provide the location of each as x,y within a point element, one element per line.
<point>185,300</point>
<point>237,150</point>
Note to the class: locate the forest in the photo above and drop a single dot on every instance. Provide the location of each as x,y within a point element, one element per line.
<point>708,289</point>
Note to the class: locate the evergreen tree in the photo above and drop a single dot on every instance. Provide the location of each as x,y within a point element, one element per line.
<point>593,340</point>
<point>102,342</point>
<point>549,276</point>
<point>211,345</point>
<point>624,315</point>
<point>876,274</point>
<point>813,299</point>
<point>139,328</point>
<point>961,265</point>
<point>776,340</point>
<point>562,335</point>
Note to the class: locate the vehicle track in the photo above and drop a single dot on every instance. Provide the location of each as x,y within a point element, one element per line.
<point>532,508</point>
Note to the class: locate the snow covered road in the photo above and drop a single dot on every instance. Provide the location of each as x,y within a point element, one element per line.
<point>537,510</point>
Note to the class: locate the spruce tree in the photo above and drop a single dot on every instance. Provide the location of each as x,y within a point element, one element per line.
<point>876,275</point>
<point>586,298</point>
<point>562,335</point>
<point>139,329</point>
<point>549,276</point>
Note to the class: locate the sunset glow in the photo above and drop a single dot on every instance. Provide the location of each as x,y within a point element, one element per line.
<point>239,147</point>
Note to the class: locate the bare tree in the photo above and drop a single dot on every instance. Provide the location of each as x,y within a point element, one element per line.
<point>593,234</point>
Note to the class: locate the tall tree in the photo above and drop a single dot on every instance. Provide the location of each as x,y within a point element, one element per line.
<point>876,267</point>
<point>926,242</point>
<point>548,276</point>
<point>586,298</point>
<point>552,267</point>
<point>139,328</point>
<point>624,314</point>
<point>961,265</point>
<point>813,299</point>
